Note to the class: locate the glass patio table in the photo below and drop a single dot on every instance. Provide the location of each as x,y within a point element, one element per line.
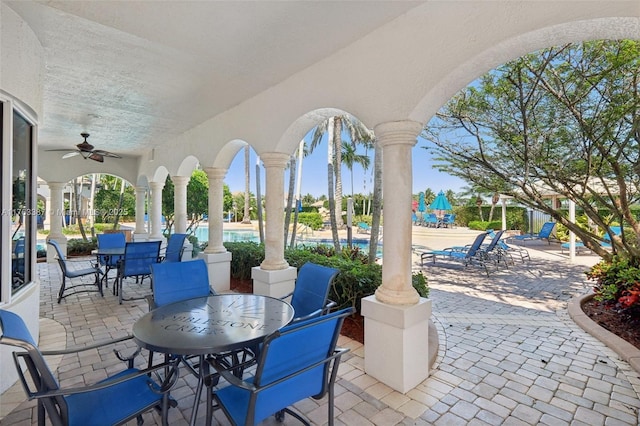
<point>210,325</point>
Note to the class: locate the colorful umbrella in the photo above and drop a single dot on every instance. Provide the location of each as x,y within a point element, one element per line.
<point>421,204</point>
<point>440,202</point>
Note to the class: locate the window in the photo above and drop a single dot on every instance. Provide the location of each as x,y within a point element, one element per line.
<point>23,209</point>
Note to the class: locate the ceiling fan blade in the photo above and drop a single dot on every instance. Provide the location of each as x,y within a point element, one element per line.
<point>96,157</point>
<point>70,154</point>
<point>106,153</point>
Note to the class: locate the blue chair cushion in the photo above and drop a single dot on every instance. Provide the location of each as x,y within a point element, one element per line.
<point>97,407</point>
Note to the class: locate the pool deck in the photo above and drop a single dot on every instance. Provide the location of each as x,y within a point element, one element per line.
<point>509,352</point>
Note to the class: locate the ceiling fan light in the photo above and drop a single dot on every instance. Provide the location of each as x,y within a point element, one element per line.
<point>85,146</point>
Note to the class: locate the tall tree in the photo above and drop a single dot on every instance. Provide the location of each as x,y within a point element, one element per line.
<point>429,196</point>
<point>331,195</point>
<point>563,120</point>
<point>290,195</point>
<point>246,217</point>
<point>358,134</point>
<point>376,216</point>
<point>350,157</point>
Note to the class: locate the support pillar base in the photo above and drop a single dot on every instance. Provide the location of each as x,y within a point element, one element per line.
<point>396,342</point>
<point>219,266</point>
<point>141,236</point>
<point>276,283</point>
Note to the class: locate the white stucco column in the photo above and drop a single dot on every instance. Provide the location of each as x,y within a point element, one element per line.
<point>56,213</point>
<point>274,277</point>
<point>47,212</point>
<point>156,210</point>
<point>141,232</point>
<point>180,203</point>
<point>216,205</point>
<point>396,318</point>
<point>274,164</point>
<point>216,256</point>
<point>397,139</point>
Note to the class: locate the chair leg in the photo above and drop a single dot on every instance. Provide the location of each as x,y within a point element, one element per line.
<point>120,290</point>
<point>99,283</point>
<point>62,286</point>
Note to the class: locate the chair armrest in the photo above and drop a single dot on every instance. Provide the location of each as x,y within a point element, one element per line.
<point>173,376</point>
<point>310,315</point>
<point>87,347</point>
<point>226,371</point>
<point>150,302</point>
<point>330,305</point>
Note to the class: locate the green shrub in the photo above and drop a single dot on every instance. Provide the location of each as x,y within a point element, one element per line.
<point>483,226</point>
<point>419,282</point>
<point>312,220</point>
<point>617,281</point>
<point>80,247</point>
<point>244,256</point>
<point>357,278</point>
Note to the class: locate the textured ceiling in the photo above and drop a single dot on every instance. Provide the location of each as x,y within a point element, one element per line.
<point>136,74</point>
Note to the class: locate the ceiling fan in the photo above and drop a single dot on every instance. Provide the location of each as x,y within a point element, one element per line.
<point>85,149</point>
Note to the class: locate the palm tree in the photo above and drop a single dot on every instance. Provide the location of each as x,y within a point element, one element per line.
<point>377,202</point>
<point>332,200</point>
<point>494,200</point>
<point>350,157</point>
<point>451,196</point>
<point>259,202</point>
<point>429,196</point>
<point>292,182</point>
<point>246,217</point>
<point>358,133</point>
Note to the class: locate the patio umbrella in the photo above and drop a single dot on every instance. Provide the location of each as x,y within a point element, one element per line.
<point>440,202</point>
<point>422,206</point>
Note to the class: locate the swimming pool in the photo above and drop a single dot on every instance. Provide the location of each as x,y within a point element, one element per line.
<point>235,235</point>
<point>202,234</point>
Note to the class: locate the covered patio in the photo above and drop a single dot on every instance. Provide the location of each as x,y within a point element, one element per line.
<point>189,84</point>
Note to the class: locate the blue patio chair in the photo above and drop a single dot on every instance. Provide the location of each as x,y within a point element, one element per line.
<point>175,248</point>
<point>176,281</point>
<point>310,296</point>
<point>107,241</point>
<point>17,262</point>
<point>297,362</point>
<point>431,220</point>
<point>546,233</point>
<point>71,273</point>
<point>508,251</point>
<point>364,228</point>
<point>136,262</point>
<point>467,255</point>
<point>606,239</point>
<point>613,230</point>
<point>448,220</point>
<point>114,400</point>
<point>309,299</point>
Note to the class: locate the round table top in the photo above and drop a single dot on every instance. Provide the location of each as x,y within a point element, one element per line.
<point>213,324</point>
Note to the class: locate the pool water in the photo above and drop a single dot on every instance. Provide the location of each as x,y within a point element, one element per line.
<point>202,233</point>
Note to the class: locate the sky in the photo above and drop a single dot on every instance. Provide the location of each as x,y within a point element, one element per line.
<point>314,174</point>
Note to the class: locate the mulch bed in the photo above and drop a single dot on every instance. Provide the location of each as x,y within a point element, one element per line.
<point>624,325</point>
